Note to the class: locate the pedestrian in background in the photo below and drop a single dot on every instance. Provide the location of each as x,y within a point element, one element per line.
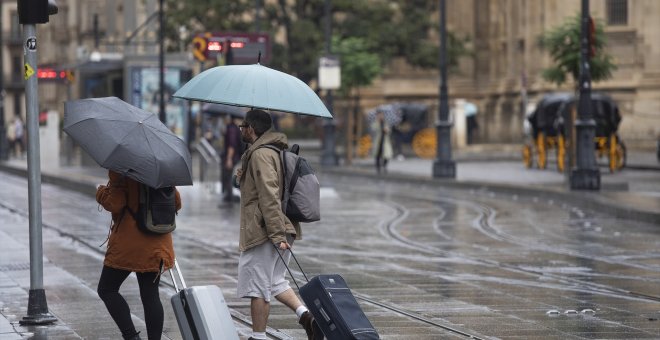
<point>233,149</point>
<point>11,137</point>
<point>471,111</point>
<point>131,250</point>
<point>382,147</point>
<point>19,134</point>
<point>265,230</point>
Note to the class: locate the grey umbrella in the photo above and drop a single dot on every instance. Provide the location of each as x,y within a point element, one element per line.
<point>391,113</point>
<point>128,140</point>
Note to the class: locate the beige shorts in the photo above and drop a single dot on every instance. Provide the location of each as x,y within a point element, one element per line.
<point>261,272</point>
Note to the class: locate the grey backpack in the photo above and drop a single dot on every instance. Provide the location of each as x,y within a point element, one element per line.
<point>301,195</point>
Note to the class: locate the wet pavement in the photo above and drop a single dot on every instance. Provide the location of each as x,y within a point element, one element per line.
<point>500,252</point>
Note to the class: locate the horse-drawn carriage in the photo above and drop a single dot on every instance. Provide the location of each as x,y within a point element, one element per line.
<point>552,127</point>
<point>409,122</point>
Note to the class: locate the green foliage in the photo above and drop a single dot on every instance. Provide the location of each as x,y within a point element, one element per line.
<point>383,29</point>
<point>563,44</point>
<point>359,66</point>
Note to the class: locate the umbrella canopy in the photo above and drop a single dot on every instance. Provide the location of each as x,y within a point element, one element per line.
<point>254,86</point>
<point>391,113</point>
<point>128,140</point>
<point>470,109</point>
<point>223,109</point>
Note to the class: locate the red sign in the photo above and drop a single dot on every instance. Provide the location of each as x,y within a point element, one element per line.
<point>49,73</point>
<point>245,47</point>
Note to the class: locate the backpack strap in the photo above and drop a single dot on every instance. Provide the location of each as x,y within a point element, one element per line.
<point>281,155</point>
<point>141,199</point>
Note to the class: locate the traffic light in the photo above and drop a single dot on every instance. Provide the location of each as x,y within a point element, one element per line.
<point>35,11</point>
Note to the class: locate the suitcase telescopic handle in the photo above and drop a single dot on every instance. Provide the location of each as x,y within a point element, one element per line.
<point>178,271</point>
<point>287,267</point>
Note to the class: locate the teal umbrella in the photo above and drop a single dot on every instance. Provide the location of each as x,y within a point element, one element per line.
<point>254,86</point>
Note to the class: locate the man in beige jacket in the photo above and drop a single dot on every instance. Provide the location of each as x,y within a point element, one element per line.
<point>265,229</point>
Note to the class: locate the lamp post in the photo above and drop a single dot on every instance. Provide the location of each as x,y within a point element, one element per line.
<point>443,166</point>
<point>586,175</point>
<point>4,146</point>
<point>32,12</point>
<point>328,156</point>
<point>161,65</point>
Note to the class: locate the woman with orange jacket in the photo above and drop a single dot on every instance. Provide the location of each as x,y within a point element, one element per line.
<point>131,250</point>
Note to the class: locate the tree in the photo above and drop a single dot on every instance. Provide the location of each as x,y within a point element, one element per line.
<point>359,66</point>
<point>563,43</point>
<point>388,28</point>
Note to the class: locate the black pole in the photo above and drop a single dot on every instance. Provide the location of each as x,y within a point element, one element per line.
<point>586,175</point>
<point>443,166</point>
<point>161,65</point>
<point>95,26</point>
<point>257,16</point>
<point>4,145</point>
<point>329,156</point>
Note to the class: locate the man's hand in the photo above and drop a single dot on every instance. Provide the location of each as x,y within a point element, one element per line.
<point>285,245</point>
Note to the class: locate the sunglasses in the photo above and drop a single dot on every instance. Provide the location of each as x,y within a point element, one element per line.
<point>243,126</point>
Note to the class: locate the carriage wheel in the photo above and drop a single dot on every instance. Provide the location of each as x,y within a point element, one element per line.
<point>617,154</point>
<point>621,155</point>
<point>424,143</point>
<point>561,153</point>
<point>527,156</point>
<point>601,147</point>
<point>540,147</point>
<point>364,145</point>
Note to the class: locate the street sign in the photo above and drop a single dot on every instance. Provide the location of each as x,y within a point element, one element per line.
<point>52,74</point>
<point>245,47</point>
<point>329,73</point>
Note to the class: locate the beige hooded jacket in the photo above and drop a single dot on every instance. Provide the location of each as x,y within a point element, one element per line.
<point>262,218</point>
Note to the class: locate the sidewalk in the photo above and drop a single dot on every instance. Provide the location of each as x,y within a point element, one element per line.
<point>631,193</point>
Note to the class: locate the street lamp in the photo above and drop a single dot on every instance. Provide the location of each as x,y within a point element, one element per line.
<point>161,65</point>
<point>328,155</point>
<point>4,146</point>
<point>586,175</point>
<point>30,13</point>
<point>443,166</point>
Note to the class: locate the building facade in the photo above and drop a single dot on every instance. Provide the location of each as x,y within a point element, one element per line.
<point>507,61</point>
<point>97,39</point>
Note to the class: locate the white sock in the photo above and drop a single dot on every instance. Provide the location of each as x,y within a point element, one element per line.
<point>300,310</point>
<point>259,335</point>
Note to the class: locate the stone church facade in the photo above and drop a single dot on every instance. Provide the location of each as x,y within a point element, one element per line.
<point>507,58</point>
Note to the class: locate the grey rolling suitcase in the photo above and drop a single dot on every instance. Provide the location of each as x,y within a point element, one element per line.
<point>201,311</point>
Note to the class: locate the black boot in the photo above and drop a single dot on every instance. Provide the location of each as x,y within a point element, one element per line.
<point>134,336</point>
<point>311,327</point>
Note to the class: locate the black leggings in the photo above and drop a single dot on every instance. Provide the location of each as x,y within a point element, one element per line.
<point>108,290</point>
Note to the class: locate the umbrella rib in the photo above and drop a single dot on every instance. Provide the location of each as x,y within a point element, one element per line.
<point>152,150</point>
<point>118,145</point>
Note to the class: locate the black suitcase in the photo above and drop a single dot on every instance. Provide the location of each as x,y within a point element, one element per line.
<point>334,307</point>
